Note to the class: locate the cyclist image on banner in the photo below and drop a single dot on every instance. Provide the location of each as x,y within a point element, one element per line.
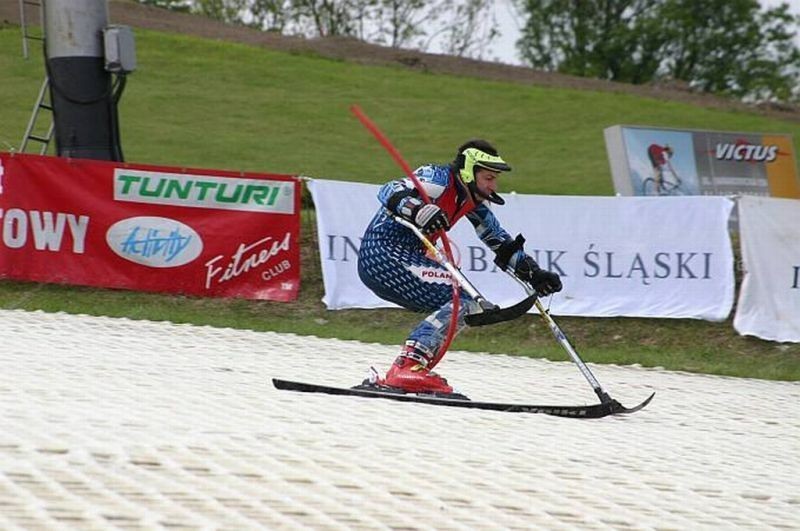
<point>661,163</point>
<point>665,181</point>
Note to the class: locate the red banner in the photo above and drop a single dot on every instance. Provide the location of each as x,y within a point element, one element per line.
<point>149,228</point>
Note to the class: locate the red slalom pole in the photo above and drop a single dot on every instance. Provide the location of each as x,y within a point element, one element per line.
<point>372,128</point>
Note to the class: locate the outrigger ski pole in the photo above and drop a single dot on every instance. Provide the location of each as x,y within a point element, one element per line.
<point>561,337</point>
<point>491,313</point>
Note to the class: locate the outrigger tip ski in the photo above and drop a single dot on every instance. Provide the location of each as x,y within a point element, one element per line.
<point>616,408</point>
<point>368,390</point>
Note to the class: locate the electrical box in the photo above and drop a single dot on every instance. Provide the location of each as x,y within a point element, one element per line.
<point>120,49</point>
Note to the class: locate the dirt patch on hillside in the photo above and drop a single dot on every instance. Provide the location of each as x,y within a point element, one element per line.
<point>140,16</point>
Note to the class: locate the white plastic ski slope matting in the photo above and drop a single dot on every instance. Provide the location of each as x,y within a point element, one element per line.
<point>119,424</point>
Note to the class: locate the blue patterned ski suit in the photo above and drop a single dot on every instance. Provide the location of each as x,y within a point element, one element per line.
<point>393,262</point>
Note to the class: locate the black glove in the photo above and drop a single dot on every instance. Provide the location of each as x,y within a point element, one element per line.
<point>544,282</point>
<point>430,218</point>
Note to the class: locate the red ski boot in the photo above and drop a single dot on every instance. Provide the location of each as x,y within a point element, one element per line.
<point>413,377</point>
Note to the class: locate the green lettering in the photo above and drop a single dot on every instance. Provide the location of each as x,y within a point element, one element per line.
<point>273,195</point>
<point>151,193</point>
<point>204,188</point>
<point>233,199</point>
<point>181,190</point>
<point>127,181</point>
<point>256,193</point>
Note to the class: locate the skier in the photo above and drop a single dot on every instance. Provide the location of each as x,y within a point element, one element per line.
<point>660,159</point>
<point>393,263</point>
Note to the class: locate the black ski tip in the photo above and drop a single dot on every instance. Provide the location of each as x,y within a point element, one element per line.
<point>618,409</point>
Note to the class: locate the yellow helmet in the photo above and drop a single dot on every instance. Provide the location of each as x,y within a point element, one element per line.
<point>478,154</point>
<point>481,154</point>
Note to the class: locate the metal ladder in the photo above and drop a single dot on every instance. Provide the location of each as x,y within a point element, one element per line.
<point>29,131</point>
<point>26,36</point>
<point>41,100</point>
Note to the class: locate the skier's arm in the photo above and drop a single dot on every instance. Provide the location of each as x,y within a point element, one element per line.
<point>491,233</point>
<point>510,252</point>
<point>401,198</point>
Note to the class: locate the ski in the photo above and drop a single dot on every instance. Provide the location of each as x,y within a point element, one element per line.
<point>368,390</point>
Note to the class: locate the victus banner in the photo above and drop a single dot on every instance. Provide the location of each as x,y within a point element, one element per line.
<point>617,256</point>
<point>769,300</point>
<point>648,161</point>
<point>149,228</point>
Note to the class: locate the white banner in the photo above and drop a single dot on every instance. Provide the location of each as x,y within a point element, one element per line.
<point>769,302</point>
<point>617,256</point>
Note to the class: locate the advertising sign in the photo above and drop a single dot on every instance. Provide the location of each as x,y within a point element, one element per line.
<point>615,255</point>
<point>671,162</point>
<point>149,228</point>
<point>769,301</point>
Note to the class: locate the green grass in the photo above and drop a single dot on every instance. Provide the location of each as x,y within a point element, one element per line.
<point>210,104</point>
<point>229,106</point>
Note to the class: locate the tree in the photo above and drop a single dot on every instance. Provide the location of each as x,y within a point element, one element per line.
<point>472,29</point>
<point>267,15</point>
<point>399,22</point>
<point>721,46</point>
<point>732,47</point>
<point>608,39</point>
<point>172,5</point>
<point>466,31</point>
<point>225,10</point>
<point>327,18</point>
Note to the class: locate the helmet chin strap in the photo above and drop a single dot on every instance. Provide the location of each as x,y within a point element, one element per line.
<point>493,197</point>
<point>496,199</point>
